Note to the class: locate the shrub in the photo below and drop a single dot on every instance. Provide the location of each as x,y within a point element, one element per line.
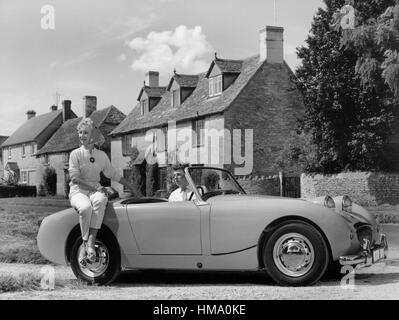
<point>17,191</point>
<point>151,179</point>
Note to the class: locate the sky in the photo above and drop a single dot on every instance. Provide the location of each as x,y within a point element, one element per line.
<point>104,48</point>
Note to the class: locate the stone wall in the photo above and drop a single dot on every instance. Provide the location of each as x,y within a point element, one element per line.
<point>365,188</point>
<point>261,185</point>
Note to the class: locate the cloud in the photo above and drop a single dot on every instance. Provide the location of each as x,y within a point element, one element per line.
<point>184,49</point>
<point>120,29</point>
<point>122,57</point>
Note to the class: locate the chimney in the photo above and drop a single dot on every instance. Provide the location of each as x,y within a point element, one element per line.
<point>66,110</point>
<point>30,114</point>
<point>89,105</point>
<point>271,47</point>
<point>54,107</point>
<point>152,78</point>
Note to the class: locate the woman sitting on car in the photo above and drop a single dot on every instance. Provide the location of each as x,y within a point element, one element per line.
<point>86,194</point>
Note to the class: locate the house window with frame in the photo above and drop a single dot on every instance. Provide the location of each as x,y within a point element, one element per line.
<point>9,153</point>
<point>175,98</point>
<point>162,140</point>
<point>198,132</point>
<point>24,177</point>
<point>45,159</point>
<point>143,104</point>
<point>66,158</point>
<point>215,86</point>
<point>32,149</point>
<point>23,151</point>
<point>127,148</point>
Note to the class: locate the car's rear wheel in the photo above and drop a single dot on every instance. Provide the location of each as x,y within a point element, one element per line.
<point>106,266</point>
<point>295,254</point>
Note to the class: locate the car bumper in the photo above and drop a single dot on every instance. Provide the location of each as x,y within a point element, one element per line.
<point>368,256</point>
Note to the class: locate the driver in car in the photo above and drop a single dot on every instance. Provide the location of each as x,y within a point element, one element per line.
<point>183,192</point>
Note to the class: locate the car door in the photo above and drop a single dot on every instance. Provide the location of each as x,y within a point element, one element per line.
<point>166,228</point>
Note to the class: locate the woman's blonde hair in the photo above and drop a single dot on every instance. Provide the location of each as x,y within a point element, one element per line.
<point>86,122</point>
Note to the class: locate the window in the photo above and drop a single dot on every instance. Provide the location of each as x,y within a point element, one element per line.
<point>9,153</point>
<point>127,175</point>
<point>162,140</point>
<point>45,159</point>
<point>23,151</point>
<point>175,98</point>
<point>215,85</point>
<point>24,177</point>
<point>143,105</point>
<point>32,149</point>
<point>211,87</point>
<point>66,158</point>
<point>127,145</point>
<point>198,133</point>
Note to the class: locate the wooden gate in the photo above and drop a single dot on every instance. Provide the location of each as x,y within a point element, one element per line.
<point>291,187</point>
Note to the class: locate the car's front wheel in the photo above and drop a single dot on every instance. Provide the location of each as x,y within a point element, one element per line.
<point>295,254</point>
<point>106,266</point>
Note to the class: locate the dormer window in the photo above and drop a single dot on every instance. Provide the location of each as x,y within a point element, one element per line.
<point>175,98</point>
<point>215,85</point>
<point>143,105</point>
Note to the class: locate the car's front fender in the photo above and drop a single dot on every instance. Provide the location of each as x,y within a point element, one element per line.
<point>53,234</point>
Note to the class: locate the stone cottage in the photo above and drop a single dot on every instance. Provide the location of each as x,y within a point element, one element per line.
<point>19,150</point>
<point>233,96</point>
<point>55,153</point>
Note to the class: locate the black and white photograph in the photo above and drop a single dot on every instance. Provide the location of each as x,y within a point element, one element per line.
<point>219,151</point>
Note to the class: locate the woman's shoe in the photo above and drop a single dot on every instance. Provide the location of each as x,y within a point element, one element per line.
<point>91,254</point>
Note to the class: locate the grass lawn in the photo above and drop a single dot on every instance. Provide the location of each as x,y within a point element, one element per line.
<point>18,227</point>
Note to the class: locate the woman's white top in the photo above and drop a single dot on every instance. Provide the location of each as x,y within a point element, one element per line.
<point>81,167</point>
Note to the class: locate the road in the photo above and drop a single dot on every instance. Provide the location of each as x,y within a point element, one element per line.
<point>380,281</point>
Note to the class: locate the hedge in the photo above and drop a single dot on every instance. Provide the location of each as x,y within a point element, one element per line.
<point>17,191</point>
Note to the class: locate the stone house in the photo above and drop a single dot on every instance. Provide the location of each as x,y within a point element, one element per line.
<point>229,99</point>
<point>19,150</point>
<point>55,153</point>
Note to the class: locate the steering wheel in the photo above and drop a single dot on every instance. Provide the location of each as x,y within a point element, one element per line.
<point>201,193</point>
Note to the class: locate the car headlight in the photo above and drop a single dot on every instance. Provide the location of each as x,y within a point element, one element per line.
<point>347,204</point>
<point>329,202</point>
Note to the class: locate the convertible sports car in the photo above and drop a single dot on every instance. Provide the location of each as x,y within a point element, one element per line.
<point>221,228</point>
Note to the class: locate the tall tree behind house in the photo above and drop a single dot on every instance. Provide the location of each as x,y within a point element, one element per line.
<point>351,123</point>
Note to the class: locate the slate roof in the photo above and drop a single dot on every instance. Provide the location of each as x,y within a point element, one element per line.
<point>197,104</point>
<point>152,92</point>
<point>184,80</point>
<point>2,139</point>
<point>226,66</point>
<point>32,128</point>
<point>66,137</point>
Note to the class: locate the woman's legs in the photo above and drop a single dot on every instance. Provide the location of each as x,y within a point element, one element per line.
<point>99,203</point>
<point>82,203</point>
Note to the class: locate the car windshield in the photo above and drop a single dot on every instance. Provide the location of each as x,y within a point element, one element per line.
<point>212,182</point>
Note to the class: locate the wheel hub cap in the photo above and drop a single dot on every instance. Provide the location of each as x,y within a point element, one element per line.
<point>97,267</point>
<point>293,254</point>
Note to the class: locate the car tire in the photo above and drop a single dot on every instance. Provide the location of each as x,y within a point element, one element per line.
<point>295,254</point>
<point>105,269</point>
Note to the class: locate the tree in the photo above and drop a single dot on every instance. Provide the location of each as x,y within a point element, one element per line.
<point>376,41</point>
<point>350,123</point>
